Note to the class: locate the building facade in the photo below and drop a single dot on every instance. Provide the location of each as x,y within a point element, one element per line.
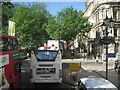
<point>97,11</point>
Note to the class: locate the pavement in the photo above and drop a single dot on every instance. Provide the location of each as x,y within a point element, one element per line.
<point>91,64</point>
<point>90,68</point>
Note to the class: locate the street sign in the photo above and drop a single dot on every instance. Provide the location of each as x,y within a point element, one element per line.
<point>106,40</point>
<point>100,47</point>
<point>74,67</point>
<point>112,55</point>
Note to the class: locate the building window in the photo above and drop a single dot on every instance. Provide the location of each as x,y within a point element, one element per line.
<point>104,14</point>
<point>97,17</point>
<point>115,32</point>
<point>116,47</point>
<point>115,14</point>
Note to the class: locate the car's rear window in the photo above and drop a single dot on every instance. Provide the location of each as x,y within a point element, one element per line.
<point>46,55</point>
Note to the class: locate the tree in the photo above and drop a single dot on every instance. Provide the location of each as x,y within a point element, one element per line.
<point>29,20</point>
<point>67,24</point>
<point>7,13</point>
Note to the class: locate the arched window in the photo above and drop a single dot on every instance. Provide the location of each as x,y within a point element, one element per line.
<point>104,13</point>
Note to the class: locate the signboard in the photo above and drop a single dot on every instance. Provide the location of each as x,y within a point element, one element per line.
<point>11,30</point>
<point>4,60</point>
<point>74,67</point>
<point>106,40</point>
<point>112,55</point>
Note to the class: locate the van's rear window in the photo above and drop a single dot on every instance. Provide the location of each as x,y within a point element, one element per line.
<point>46,55</point>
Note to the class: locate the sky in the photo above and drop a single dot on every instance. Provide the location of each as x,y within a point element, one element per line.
<point>53,6</point>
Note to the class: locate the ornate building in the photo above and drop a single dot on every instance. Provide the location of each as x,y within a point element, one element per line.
<point>97,10</point>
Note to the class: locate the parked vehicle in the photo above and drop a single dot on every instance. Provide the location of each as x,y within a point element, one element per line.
<point>93,83</point>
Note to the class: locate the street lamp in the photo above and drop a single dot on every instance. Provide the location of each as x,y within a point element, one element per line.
<point>107,22</point>
<point>106,34</point>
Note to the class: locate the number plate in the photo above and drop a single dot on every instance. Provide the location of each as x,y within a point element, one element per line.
<point>45,76</point>
<point>45,70</point>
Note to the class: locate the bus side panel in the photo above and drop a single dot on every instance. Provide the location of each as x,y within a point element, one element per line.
<point>10,73</point>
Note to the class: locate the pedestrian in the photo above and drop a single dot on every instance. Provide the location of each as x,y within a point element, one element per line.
<point>84,58</point>
<point>116,65</point>
<point>72,52</point>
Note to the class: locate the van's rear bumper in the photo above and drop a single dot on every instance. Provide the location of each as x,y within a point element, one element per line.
<point>45,81</point>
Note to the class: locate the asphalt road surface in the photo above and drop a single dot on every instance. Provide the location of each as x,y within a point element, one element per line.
<point>25,81</point>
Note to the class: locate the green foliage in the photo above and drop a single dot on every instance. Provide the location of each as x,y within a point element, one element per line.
<point>67,24</point>
<point>34,25</point>
<point>29,21</point>
<point>7,13</point>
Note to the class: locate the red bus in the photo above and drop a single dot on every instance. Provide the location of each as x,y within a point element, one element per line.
<point>10,66</point>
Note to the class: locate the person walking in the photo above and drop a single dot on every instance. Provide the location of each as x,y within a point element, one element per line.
<point>72,52</point>
<point>116,65</point>
<point>84,58</point>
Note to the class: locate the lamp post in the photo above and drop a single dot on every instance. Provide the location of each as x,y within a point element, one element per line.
<point>107,22</point>
<point>106,44</point>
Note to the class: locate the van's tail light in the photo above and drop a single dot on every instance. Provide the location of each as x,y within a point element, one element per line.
<point>3,79</point>
<point>32,53</point>
<point>60,73</point>
<point>59,52</point>
<point>30,73</point>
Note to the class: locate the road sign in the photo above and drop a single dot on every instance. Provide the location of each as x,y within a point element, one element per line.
<point>112,55</point>
<point>106,40</point>
<point>100,47</point>
<point>74,67</point>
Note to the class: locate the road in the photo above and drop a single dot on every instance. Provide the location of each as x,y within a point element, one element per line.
<point>88,69</point>
<point>25,81</point>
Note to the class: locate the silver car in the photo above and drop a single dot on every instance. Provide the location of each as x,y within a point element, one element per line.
<point>93,83</point>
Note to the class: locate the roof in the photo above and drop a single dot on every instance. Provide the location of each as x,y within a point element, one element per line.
<point>97,83</point>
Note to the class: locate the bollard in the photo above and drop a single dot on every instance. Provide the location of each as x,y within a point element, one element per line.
<point>96,61</point>
<point>74,78</point>
<point>80,64</point>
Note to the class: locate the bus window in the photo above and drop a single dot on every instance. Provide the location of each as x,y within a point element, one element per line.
<point>46,55</point>
<point>8,44</point>
<point>15,44</point>
<point>5,44</point>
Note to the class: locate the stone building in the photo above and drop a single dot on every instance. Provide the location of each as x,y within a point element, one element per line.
<point>97,11</point>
